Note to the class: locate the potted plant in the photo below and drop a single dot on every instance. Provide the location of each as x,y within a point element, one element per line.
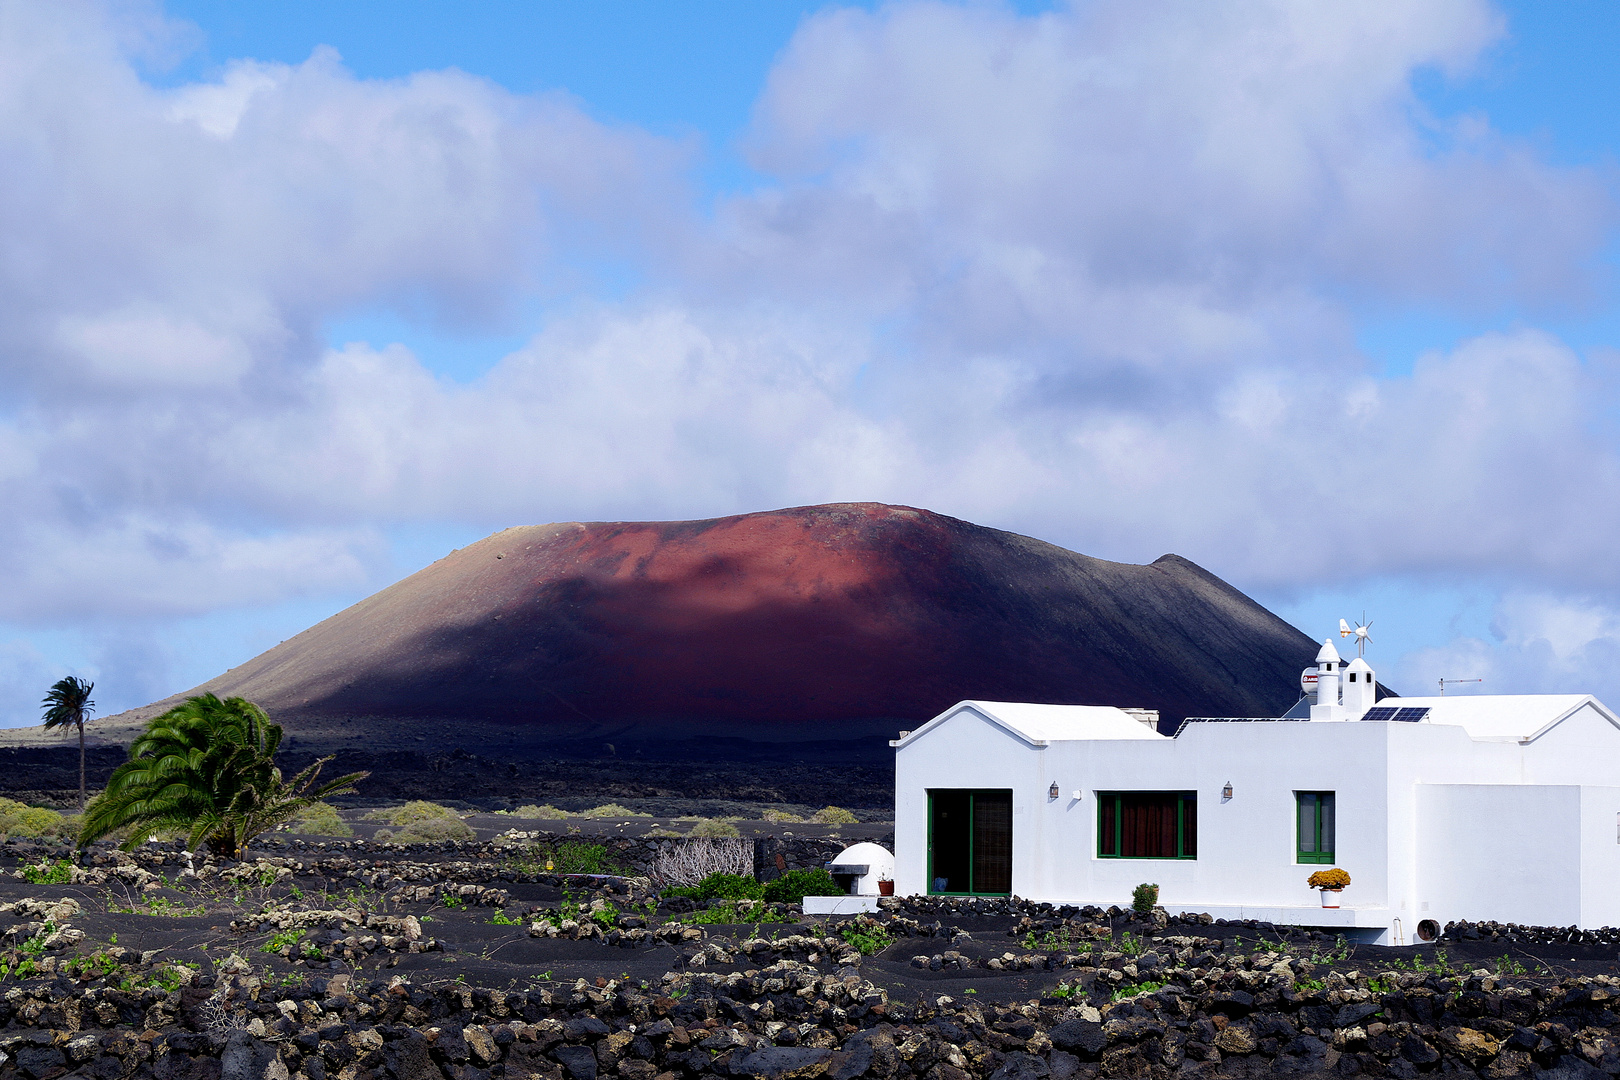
<point>1331,882</point>
<point>885,886</point>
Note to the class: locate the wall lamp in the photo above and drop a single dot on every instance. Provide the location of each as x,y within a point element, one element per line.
<point>1226,792</point>
<point>1052,792</point>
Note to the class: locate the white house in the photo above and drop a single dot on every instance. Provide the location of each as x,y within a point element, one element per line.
<point>1439,808</point>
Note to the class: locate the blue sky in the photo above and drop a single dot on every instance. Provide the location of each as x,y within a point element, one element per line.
<point>300,296</point>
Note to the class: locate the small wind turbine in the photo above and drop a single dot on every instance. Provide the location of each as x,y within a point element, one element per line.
<point>1360,633</point>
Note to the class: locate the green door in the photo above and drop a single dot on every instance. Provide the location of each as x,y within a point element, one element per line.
<point>970,842</point>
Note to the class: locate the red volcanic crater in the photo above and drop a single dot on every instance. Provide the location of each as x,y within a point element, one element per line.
<point>817,623</point>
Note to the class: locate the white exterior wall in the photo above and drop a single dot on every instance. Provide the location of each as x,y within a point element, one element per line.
<point>1246,861</point>
<point>1525,868</point>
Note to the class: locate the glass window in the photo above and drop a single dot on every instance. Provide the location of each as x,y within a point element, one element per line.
<point>1314,826</point>
<point>1147,824</point>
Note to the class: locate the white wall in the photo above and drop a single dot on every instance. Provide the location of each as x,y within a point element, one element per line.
<point>1524,867</point>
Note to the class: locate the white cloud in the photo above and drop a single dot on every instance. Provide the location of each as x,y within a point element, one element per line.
<point>1089,274</point>
<point>1541,644</point>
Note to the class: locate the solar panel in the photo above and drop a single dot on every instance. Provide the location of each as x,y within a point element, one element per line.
<point>1383,712</point>
<point>1411,716</point>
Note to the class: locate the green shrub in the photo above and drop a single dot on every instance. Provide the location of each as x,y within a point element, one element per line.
<point>722,887</point>
<point>780,815</point>
<point>428,831</point>
<point>832,815</point>
<point>583,857</point>
<point>713,829</point>
<point>793,886</point>
<point>20,819</point>
<point>611,810</point>
<point>540,813</point>
<point>321,819</point>
<point>413,812</point>
<point>1144,897</point>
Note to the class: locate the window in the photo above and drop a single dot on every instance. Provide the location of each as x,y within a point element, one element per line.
<point>970,842</point>
<point>1147,824</point>
<point>1352,676</point>
<point>1315,826</point>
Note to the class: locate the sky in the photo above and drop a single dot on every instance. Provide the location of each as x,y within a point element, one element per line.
<point>296,298</point>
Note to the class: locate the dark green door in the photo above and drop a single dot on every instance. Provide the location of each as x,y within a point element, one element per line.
<point>970,842</point>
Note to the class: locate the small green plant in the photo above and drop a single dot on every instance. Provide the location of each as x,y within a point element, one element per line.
<point>833,815</point>
<point>1143,898</point>
<point>321,819</point>
<point>1130,990</point>
<point>312,951</point>
<point>1308,986</point>
<point>1051,940</point>
<point>714,829</point>
<point>1378,986</point>
<point>59,872</point>
<point>34,822</point>
<point>735,912</point>
<point>1509,966</point>
<point>538,813</point>
<point>867,935</point>
<point>1129,944</point>
<point>1338,954</point>
<point>782,816</point>
<point>1066,989</point>
<point>500,918</point>
<point>793,886</point>
<point>162,905</point>
<point>286,939</point>
<point>721,887</point>
<point>35,946</point>
<point>583,857</point>
<point>606,915</point>
<point>612,810</point>
<point>454,903</point>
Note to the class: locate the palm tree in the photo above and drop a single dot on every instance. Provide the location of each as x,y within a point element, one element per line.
<point>69,703</point>
<point>207,766</point>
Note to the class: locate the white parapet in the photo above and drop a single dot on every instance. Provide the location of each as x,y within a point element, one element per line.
<point>840,905</point>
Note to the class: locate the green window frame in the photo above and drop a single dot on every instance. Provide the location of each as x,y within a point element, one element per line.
<point>984,866</point>
<point>1147,825</point>
<point>1315,826</point>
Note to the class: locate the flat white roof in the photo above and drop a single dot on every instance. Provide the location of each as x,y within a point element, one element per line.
<point>1041,724</point>
<point>1497,716</point>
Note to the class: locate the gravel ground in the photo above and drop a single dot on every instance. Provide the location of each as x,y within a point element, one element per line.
<point>463,964</point>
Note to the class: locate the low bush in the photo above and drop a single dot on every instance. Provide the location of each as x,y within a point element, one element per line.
<point>428,831</point>
<point>611,810</point>
<point>780,815</point>
<point>412,812</point>
<point>722,887</point>
<point>793,886</point>
<point>34,822</point>
<point>713,829</point>
<point>321,819</point>
<point>583,857</point>
<point>1144,897</point>
<point>832,815</point>
<point>540,813</point>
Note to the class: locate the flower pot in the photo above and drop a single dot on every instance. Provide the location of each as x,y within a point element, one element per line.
<point>885,888</point>
<point>1330,897</point>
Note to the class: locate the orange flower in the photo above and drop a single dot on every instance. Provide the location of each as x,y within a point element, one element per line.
<point>1334,879</point>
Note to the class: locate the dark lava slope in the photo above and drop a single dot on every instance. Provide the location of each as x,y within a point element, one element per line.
<point>822,623</point>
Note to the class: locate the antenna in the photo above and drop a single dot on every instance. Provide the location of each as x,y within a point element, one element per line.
<point>1360,633</point>
<point>1454,682</point>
